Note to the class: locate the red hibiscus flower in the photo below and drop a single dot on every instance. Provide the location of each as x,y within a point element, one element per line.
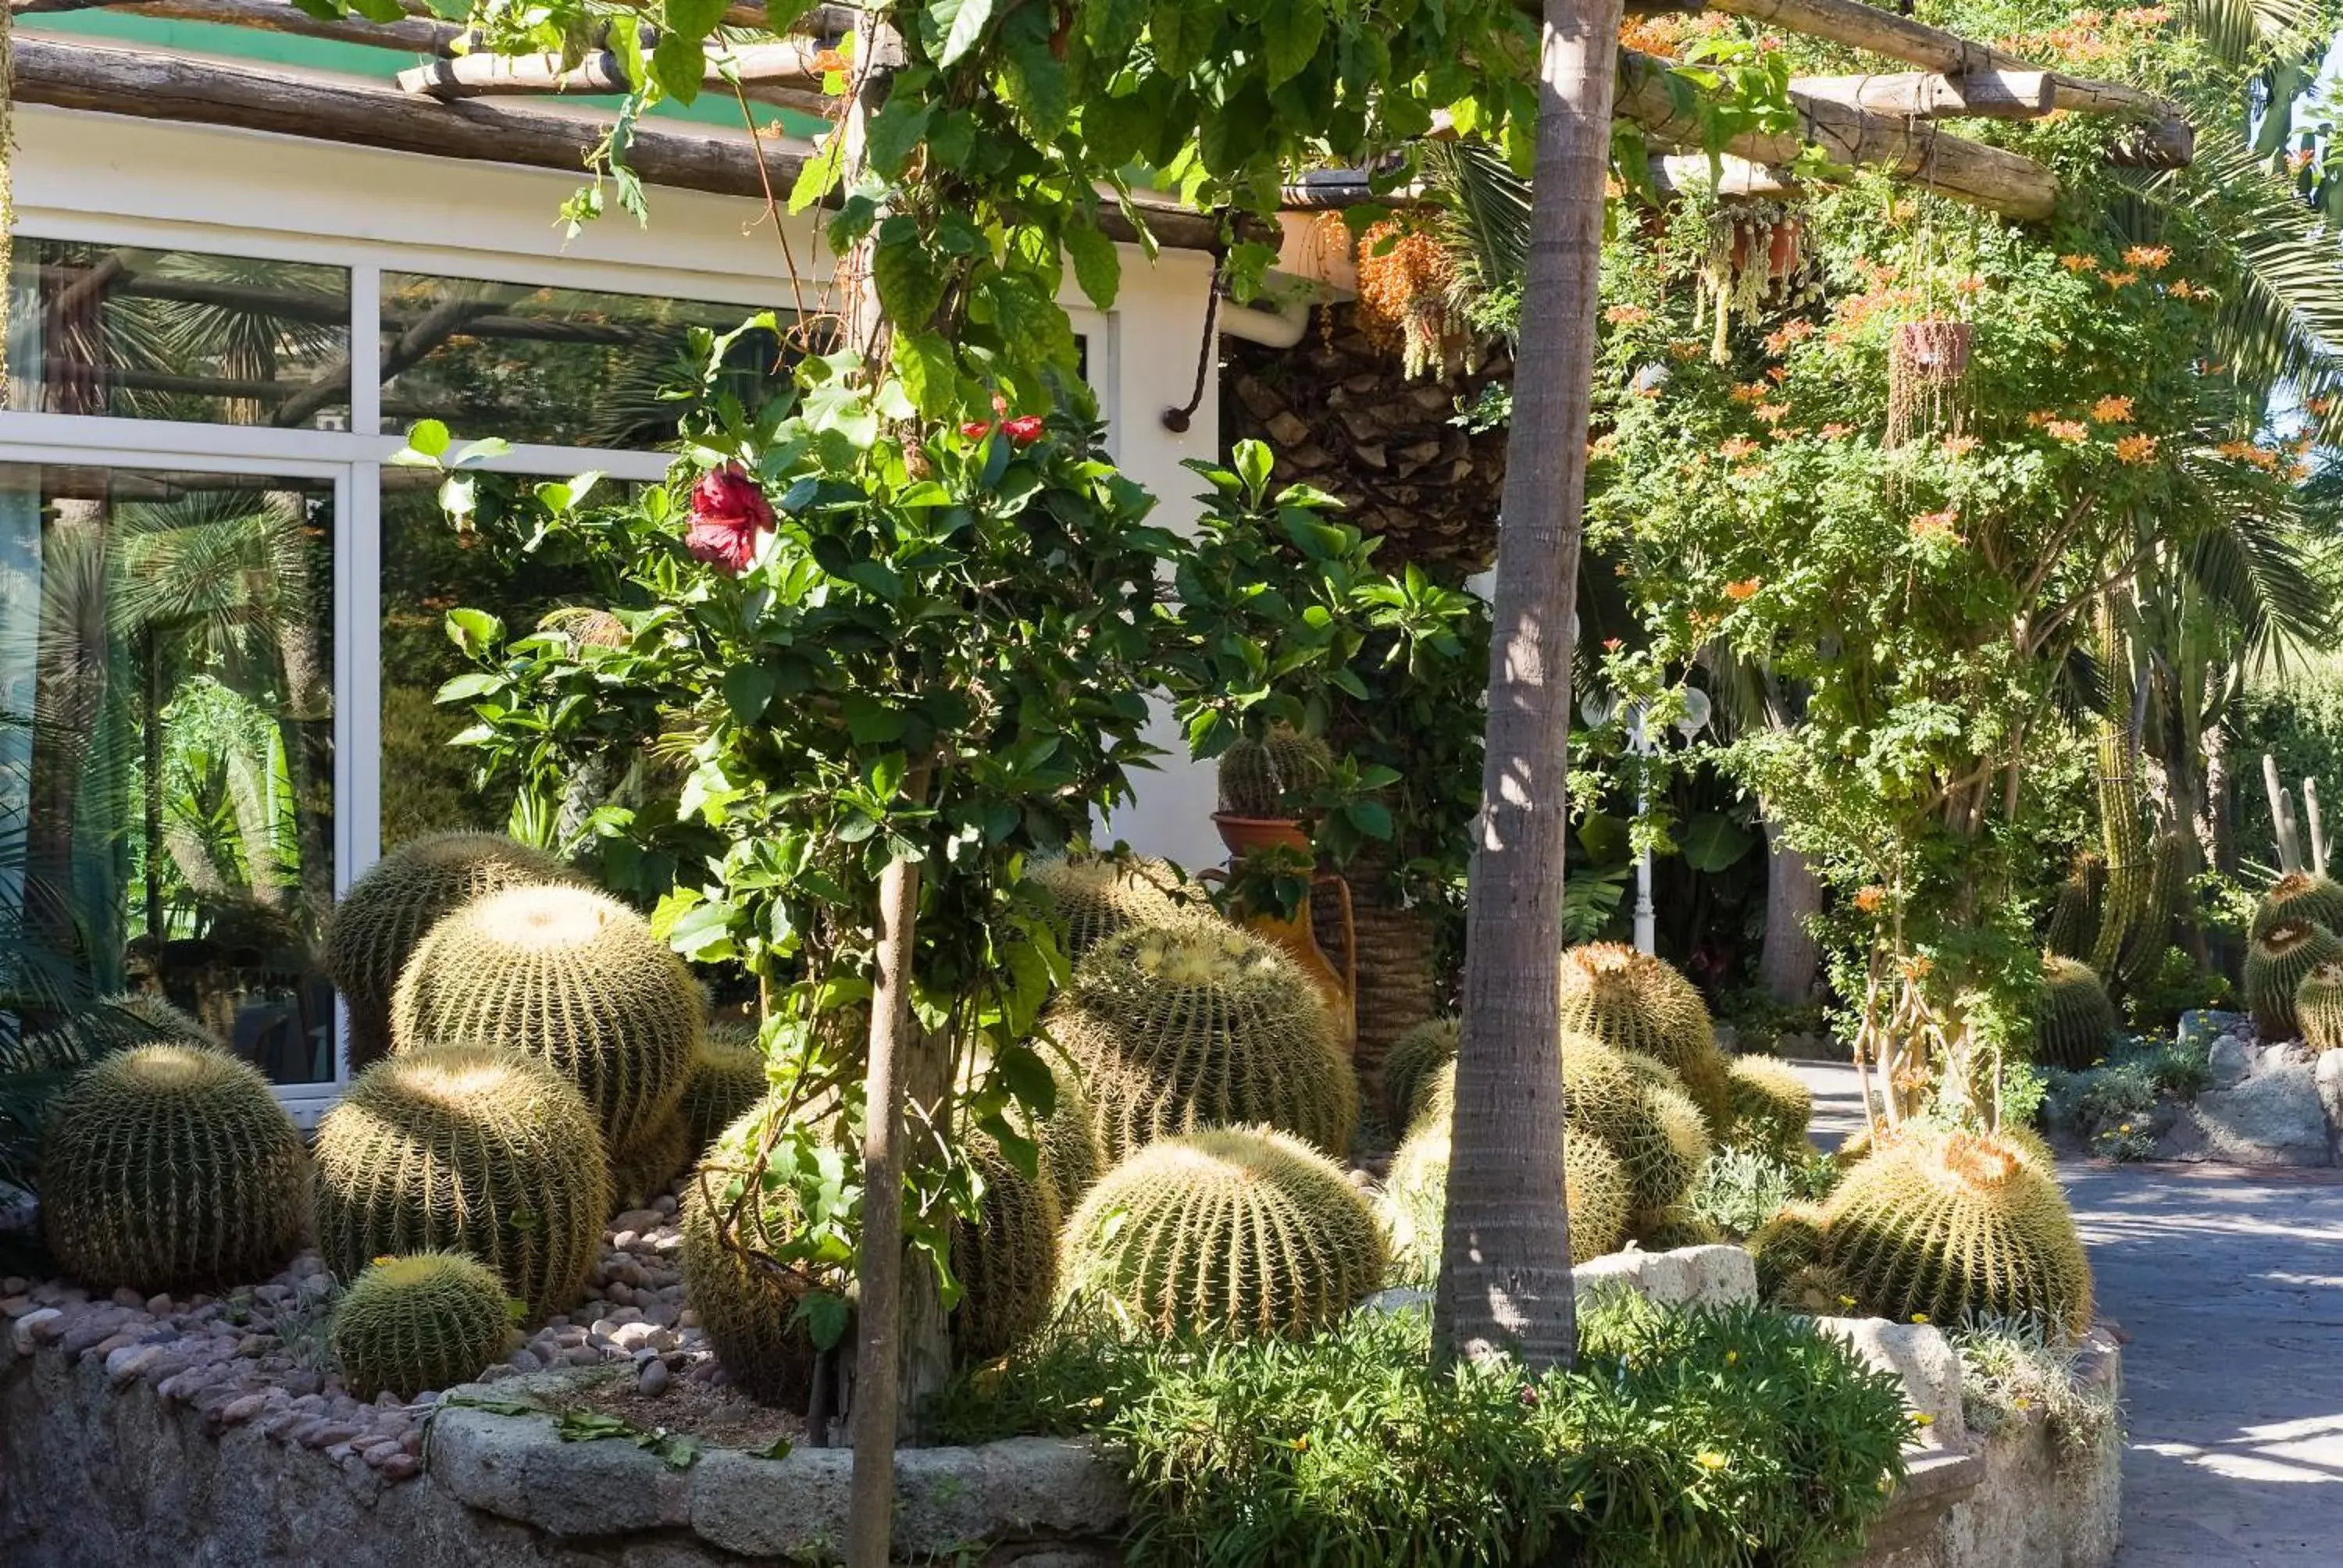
<point>729,510</point>
<point>977,429</point>
<point>1024,431</point>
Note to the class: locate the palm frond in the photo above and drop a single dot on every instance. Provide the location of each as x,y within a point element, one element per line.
<point>1487,224</point>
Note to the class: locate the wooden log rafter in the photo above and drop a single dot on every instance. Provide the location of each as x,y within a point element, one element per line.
<point>789,74</point>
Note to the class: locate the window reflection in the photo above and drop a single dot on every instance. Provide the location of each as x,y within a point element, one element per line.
<point>167,713</point>
<point>559,365</point>
<point>145,334</point>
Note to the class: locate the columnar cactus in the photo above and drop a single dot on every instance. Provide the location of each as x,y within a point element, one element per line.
<point>749,1311</point>
<point>2276,962</point>
<point>171,1165</point>
<point>1241,1232</point>
<point>1184,1027</point>
<point>1415,1058</point>
<point>1098,897</point>
<point>1772,1106</point>
<point>407,892</point>
<point>425,1321</point>
<point>1273,777</point>
<point>727,1080</point>
<point>2072,1016</point>
<point>1414,1203</point>
<point>571,977</point>
<point>2074,918</point>
<point>1007,1261</point>
<point>1958,1228</point>
<point>2300,896</point>
<point>1634,1002</point>
<point>469,1150</point>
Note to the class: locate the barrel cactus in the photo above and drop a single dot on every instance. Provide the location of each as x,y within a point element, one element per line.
<point>1658,1134</point>
<point>2318,1006</point>
<point>1634,1002</point>
<point>425,1321</point>
<point>648,1168</point>
<point>1176,1027</point>
<point>1667,1230</point>
<point>1415,1058</point>
<point>1413,1203</point>
<point>750,1312</point>
<point>569,976</point>
<point>1273,777</point>
<point>1958,1228</point>
<point>171,1165</point>
<point>2073,1016</point>
<point>1772,1106</point>
<point>1241,1232</point>
<point>1790,1242</point>
<point>2276,962</point>
<point>728,1078</point>
<point>407,892</point>
<point>2300,896</point>
<point>1007,1260</point>
<point>1072,1158</point>
<point>468,1150</point>
<point>110,1024</point>
<point>1099,896</point>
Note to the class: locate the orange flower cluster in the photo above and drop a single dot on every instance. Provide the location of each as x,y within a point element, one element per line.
<point>1969,288</point>
<point>1789,333</point>
<point>1685,351</point>
<point>1742,591</point>
<point>1404,291</point>
<point>1773,412</point>
<point>1959,445</point>
<point>1736,449</point>
<point>2112,410</point>
<point>2181,288</point>
<point>2068,429</point>
<point>2120,280</point>
<point>2261,457</point>
<point>2149,257</point>
<point>1936,527</point>
<point>2300,159</point>
<point>1750,392</point>
<point>1626,316</point>
<point>1871,900</point>
<point>1856,310</point>
<point>2136,448</point>
<point>1835,431</point>
<point>2079,263</point>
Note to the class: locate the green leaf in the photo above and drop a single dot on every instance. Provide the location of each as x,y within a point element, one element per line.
<point>479,683</point>
<point>1292,30</point>
<point>1111,27</point>
<point>923,360</point>
<point>1714,842</point>
<point>1029,1080</point>
<point>591,1426</point>
<point>678,64</point>
<point>748,687</point>
<point>1098,266</point>
<point>1253,461</point>
<point>474,631</point>
<point>1181,31</point>
<point>690,20</point>
<point>820,175</point>
<point>1036,79</point>
<point>911,285</point>
<point>896,130</point>
<point>427,440</point>
<point>779,1448</point>
<point>950,28</point>
<point>825,1317</point>
<point>870,722</point>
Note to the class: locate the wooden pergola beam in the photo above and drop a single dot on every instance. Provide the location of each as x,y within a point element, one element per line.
<point>1915,151</point>
<point>786,73</point>
<point>153,84</point>
<point>1731,176</point>
<point>1994,95</point>
<point>421,33</point>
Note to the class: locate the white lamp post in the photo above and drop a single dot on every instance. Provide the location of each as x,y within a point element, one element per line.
<point>1693,719</point>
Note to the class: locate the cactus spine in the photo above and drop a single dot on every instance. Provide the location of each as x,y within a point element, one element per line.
<point>749,1312</point>
<point>1633,1001</point>
<point>170,1165</point>
<point>1008,1261</point>
<point>1957,1228</point>
<point>571,977</point>
<point>425,1320</point>
<point>1415,1060</point>
<point>388,911</point>
<point>1772,1106</point>
<point>2318,1006</point>
<point>2300,896</point>
<point>1274,777</point>
<point>639,1175</point>
<point>472,1150</point>
<point>2072,1016</point>
<point>1099,896</point>
<point>727,1080</point>
<point>1414,1203</point>
<point>2275,964</point>
<point>1245,1232</point>
<point>1184,1027</point>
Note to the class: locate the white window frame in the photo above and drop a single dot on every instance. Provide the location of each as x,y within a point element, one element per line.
<point>353,459</point>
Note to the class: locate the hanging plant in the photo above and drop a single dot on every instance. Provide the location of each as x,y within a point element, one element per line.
<point>1927,360</point>
<point>1756,257</point>
<point>1407,300</point>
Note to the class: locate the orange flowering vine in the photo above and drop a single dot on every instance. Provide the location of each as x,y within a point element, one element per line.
<point>2112,410</point>
<point>1626,316</point>
<point>1742,591</point>
<point>2136,448</point>
<point>1738,448</point>
<point>2068,429</point>
<point>2149,257</point>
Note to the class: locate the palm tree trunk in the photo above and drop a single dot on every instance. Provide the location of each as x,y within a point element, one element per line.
<point>1504,1275</point>
<point>1787,963</point>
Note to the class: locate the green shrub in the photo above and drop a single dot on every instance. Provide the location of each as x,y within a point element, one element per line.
<point>2011,1376</point>
<point>1740,1189</point>
<point>425,1320</point>
<point>168,1165</point>
<point>1681,1440</point>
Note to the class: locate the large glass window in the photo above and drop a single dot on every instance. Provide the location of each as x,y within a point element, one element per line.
<point>561,367</point>
<point>167,746</point>
<point>146,334</point>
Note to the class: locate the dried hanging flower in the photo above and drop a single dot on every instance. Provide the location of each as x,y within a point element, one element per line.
<point>1406,300</point>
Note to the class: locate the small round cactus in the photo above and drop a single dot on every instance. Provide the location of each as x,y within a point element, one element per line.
<point>407,892</point>
<point>749,1311</point>
<point>1414,1060</point>
<point>1772,1106</point>
<point>1633,1001</point>
<point>728,1078</point>
<point>2319,1006</point>
<point>172,1165</point>
<point>2300,896</point>
<point>425,1321</point>
<point>1666,1230</point>
<point>472,1150</point>
<point>1655,1131</point>
<point>1007,1261</point>
<point>1790,1242</point>
<point>1273,778</point>
<point>567,975</point>
<point>1957,1228</point>
<point>1176,1027</point>
<point>1240,1231</point>
<point>1415,1200</point>
<point>2276,962</point>
<point>2072,1016</point>
<point>1098,897</point>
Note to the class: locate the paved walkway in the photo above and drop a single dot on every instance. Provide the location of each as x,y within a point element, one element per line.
<point>2227,1285</point>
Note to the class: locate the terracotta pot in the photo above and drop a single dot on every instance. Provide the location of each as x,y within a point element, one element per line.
<point>1776,245</point>
<point>1247,835</point>
<point>1933,350</point>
